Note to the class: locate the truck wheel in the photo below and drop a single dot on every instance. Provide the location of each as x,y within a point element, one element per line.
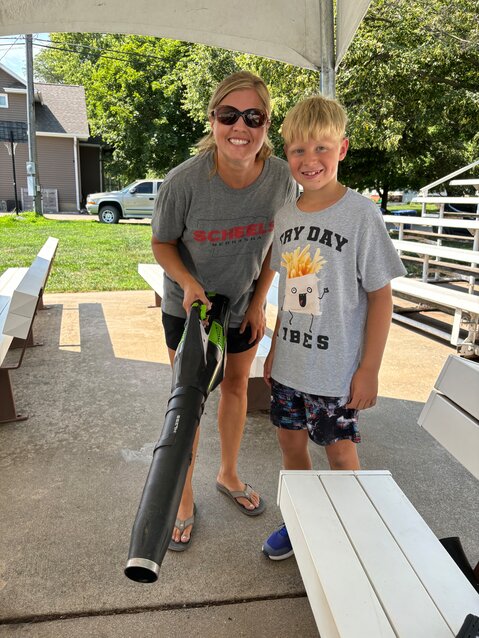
<point>109,214</point>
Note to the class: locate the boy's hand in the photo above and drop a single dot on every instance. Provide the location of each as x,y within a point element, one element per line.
<point>364,390</point>
<point>268,365</point>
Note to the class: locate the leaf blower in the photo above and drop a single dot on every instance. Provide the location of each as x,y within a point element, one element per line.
<point>197,369</point>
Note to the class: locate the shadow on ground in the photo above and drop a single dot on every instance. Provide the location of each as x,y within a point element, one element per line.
<point>72,475</point>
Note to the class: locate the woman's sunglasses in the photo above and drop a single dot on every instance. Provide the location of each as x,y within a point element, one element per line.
<point>254,118</point>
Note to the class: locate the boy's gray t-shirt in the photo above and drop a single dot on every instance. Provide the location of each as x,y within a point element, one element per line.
<point>323,313</point>
<point>223,233</point>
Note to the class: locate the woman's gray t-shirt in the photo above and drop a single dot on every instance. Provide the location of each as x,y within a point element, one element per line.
<point>323,313</point>
<point>223,233</point>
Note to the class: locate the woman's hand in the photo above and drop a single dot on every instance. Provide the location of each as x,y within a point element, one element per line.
<point>256,320</point>
<point>193,290</point>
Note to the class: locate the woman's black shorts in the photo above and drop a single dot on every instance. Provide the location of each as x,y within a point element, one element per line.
<point>235,341</point>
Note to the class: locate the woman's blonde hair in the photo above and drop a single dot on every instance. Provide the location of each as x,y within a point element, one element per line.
<point>237,82</point>
<point>313,117</point>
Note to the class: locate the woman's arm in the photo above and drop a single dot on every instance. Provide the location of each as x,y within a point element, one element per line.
<point>167,255</point>
<point>364,385</point>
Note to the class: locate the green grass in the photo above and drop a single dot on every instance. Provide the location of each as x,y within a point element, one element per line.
<point>90,256</point>
<point>430,208</point>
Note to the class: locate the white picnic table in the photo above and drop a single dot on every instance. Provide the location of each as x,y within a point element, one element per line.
<point>370,564</point>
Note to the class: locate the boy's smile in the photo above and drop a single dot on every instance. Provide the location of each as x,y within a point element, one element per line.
<point>314,165</point>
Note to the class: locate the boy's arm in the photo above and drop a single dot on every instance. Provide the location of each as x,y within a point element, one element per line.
<point>364,384</point>
<point>268,364</point>
<point>255,316</point>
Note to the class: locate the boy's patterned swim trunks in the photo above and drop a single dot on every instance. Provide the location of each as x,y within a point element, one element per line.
<point>325,418</point>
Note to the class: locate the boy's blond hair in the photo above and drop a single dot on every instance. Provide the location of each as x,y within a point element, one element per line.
<point>313,117</point>
<point>237,82</point>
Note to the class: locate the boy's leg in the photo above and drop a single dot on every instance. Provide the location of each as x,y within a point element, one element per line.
<point>288,415</point>
<point>294,446</point>
<point>343,455</point>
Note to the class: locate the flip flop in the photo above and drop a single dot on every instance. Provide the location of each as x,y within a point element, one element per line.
<point>181,525</point>
<point>246,493</point>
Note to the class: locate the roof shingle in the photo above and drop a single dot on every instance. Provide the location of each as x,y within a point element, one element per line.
<point>63,109</point>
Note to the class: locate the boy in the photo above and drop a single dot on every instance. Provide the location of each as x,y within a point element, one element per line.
<point>336,261</point>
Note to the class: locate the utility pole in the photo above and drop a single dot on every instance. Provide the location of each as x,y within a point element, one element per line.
<point>12,153</point>
<point>33,180</point>
<point>328,56</point>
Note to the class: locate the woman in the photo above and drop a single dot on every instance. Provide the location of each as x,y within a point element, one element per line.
<point>212,230</point>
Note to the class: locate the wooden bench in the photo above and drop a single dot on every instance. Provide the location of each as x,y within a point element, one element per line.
<point>9,280</point>
<point>451,414</point>
<point>470,181</point>
<point>439,223</point>
<point>258,391</point>
<point>153,275</point>
<point>431,237</point>
<point>461,255</point>
<point>21,291</point>
<point>464,307</point>
<point>442,200</point>
<point>370,564</point>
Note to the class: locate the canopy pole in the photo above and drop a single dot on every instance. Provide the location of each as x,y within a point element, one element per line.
<point>328,73</point>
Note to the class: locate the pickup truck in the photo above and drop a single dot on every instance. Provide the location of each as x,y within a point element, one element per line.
<point>135,201</point>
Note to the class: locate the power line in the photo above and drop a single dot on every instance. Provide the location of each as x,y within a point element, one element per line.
<point>10,48</point>
<point>100,55</point>
<point>98,50</point>
<point>101,52</point>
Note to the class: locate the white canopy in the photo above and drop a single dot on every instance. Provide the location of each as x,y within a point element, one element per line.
<point>286,30</point>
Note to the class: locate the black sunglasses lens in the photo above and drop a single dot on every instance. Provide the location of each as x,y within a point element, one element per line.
<point>227,115</point>
<point>254,118</point>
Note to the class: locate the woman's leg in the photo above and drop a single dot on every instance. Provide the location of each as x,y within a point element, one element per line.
<point>231,420</point>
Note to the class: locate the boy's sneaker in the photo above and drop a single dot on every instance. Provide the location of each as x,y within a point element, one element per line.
<point>278,546</point>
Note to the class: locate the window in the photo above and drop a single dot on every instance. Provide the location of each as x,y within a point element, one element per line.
<point>145,187</point>
<point>3,101</point>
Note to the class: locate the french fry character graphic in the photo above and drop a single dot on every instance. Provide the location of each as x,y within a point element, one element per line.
<point>301,291</point>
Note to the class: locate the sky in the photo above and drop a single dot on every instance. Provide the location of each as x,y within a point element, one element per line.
<point>12,51</point>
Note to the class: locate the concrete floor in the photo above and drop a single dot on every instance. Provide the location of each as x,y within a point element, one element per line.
<point>72,474</point>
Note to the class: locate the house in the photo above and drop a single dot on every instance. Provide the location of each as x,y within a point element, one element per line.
<point>69,162</point>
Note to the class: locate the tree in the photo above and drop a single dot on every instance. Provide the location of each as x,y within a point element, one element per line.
<point>134,97</point>
<point>136,106</point>
<point>410,82</point>
<point>410,85</point>
<point>69,58</point>
<point>207,66</point>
